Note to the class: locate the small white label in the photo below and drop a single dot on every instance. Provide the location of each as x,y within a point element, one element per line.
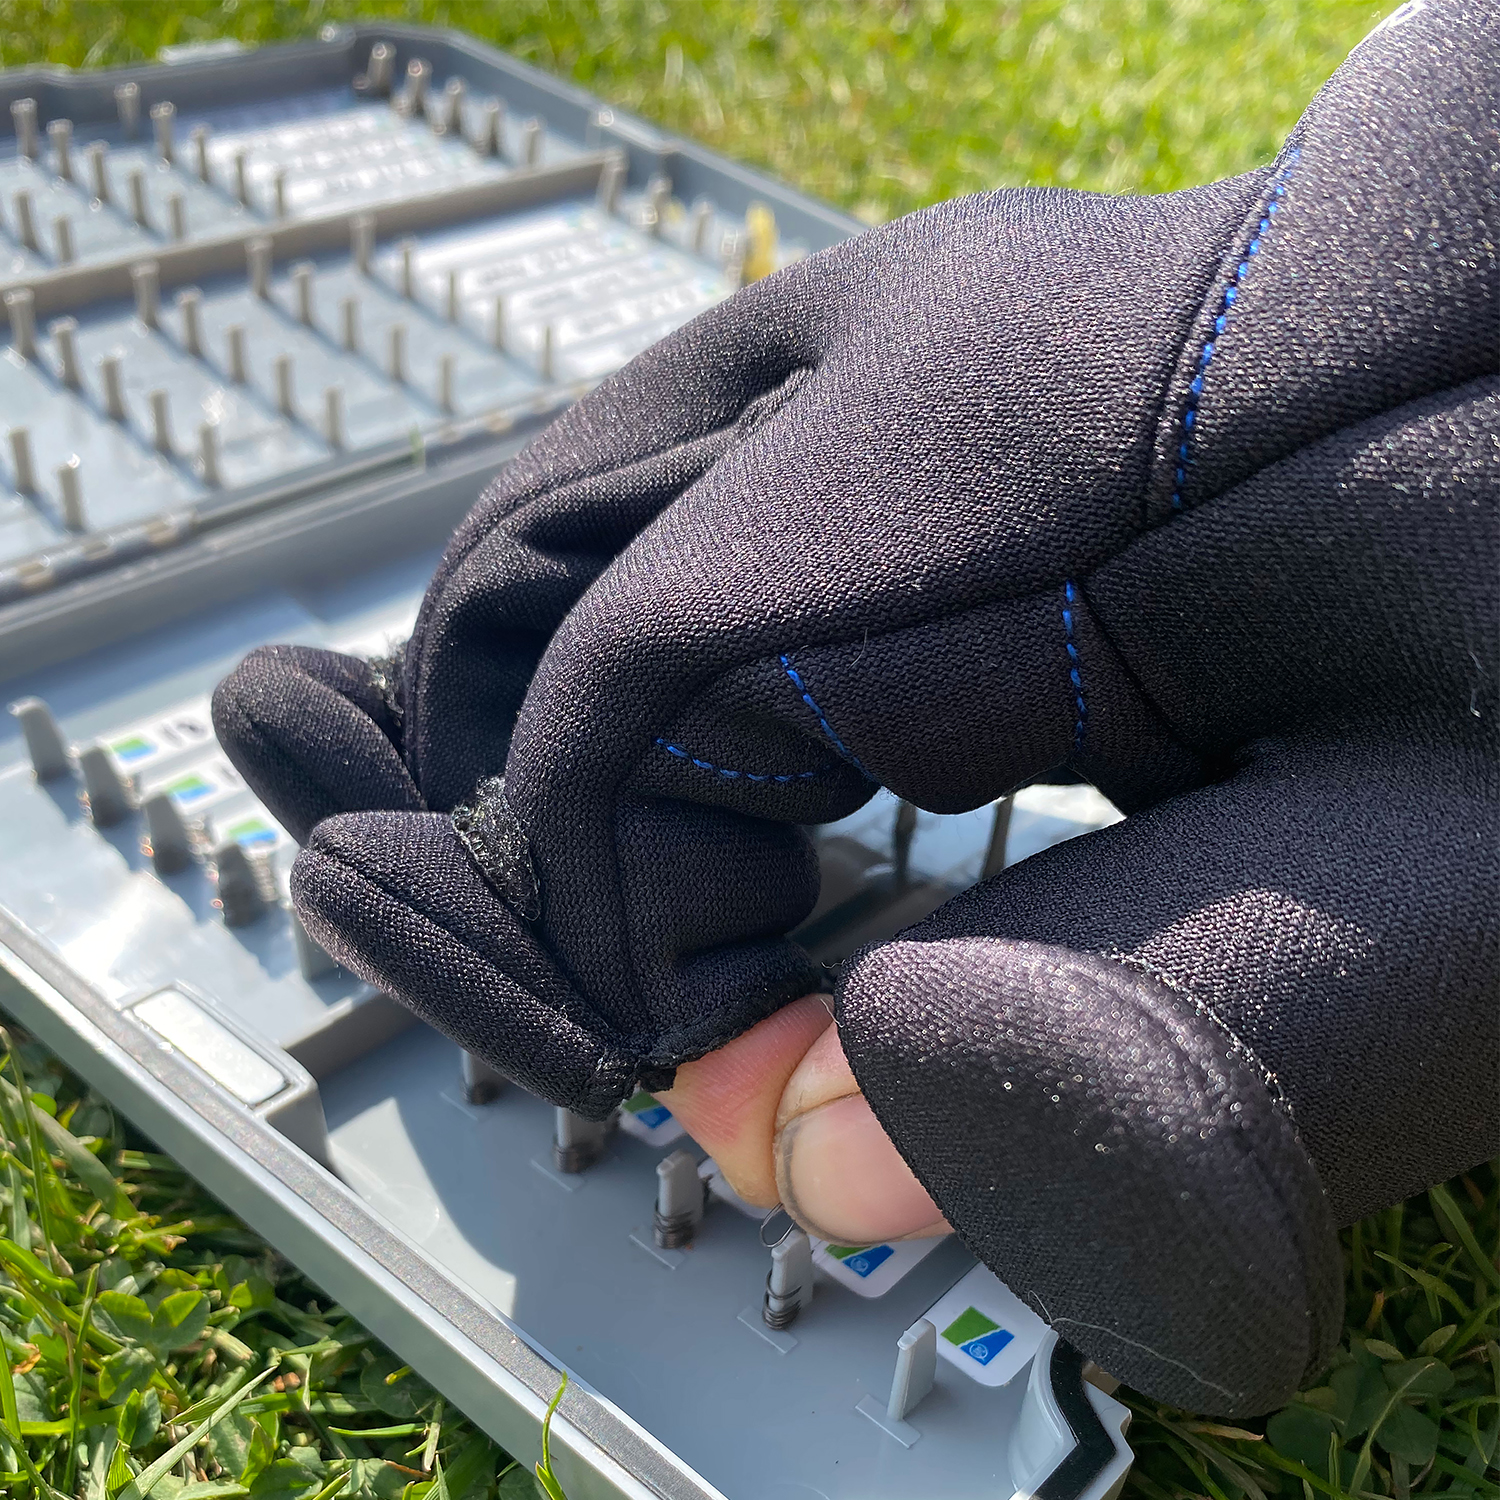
<point>198,786</point>
<point>158,741</point>
<point>649,1120</point>
<point>872,1270</point>
<point>984,1329</point>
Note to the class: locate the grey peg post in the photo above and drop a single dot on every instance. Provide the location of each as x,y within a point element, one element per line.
<point>703,213</point>
<point>208,454</point>
<point>258,266</point>
<point>379,68</point>
<point>97,155</point>
<point>170,845</point>
<point>333,417</point>
<point>163,116</point>
<point>114,391</point>
<point>139,210</point>
<point>313,961</point>
<point>658,196</point>
<point>278,187</point>
<point>286,401</point>
<point>445,383</point>
<point>60,133</point>
<point>680,1195</point>
<point>497,324</point>
<point>903,831</point>
<point>488,141</point>
<point>453,306</point>
<point>362,241</point>
<point>44,742</point>
<point>190,306</point>
<point>452,116</point>
<point>531,143</point>
<point>70,495</point>
<point>199,137</point>
<point>128,103</point>
<point>302,282</point>
<point>177,216</point>
<point>145,276</point>
<point>23,120</point>
<point>916,1369</point>
<point>242,177</point>
<point>239,900</point>
<point>994,854</point>
<point>789,1287</point>
<point>25,220</point>
<point>418,75</point>
<point>349,322</point>
<point>611,180</point>
<point>408,249</point>
<point>238,367</point>
<point>62,240</point>
<point>20,308</point>
<point>480,1083</point>
<point>576,1142</point>
<point>161,422</point>
<point>107,790</point>
<point>64,339</point>
<point>21,466</point>
<point>544,353</point>
<point>395,360</point>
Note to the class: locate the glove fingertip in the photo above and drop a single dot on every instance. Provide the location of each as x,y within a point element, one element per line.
<point>312,734</point>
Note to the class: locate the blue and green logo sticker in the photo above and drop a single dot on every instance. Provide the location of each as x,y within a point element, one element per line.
<point>647,1110</point>
<point>861,1259</point>
<point>189,788</point>
<point>132,747</point>
<point>251,831</point>
<point>979,1337</point>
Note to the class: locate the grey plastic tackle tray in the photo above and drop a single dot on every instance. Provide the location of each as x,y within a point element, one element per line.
<point>267,339</point>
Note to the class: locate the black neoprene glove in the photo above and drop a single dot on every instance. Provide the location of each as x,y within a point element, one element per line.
<point>1193,495</point>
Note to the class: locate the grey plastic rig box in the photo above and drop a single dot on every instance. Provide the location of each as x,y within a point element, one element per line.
<point>273,318</point>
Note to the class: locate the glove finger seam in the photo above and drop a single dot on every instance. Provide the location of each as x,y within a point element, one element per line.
<point>1183,424</point>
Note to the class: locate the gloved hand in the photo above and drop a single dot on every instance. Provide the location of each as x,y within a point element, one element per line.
<point>1192,495</point>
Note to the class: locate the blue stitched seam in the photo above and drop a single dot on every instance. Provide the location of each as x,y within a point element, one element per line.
<point>1070,595</point>
<point>728,775</point>
<point>1231,294</point>
<point>822,719</point>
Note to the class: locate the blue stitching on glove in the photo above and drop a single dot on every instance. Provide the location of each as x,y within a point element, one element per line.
<point>1231,294</point>
<point>1070,594</point>
<point>822,718</point>
<point>728,775</point>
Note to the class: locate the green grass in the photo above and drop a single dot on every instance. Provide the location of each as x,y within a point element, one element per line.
<point>877,106</point>
<point>133,1309</point>
<point>131,1305</point>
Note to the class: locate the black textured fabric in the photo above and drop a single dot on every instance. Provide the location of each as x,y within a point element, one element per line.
<point>1193,496</point>
<point>1167,1202</point>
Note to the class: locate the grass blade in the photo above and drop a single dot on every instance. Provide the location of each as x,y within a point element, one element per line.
<point>545,1477</point>
<point>1455,1224</point>
<point>85,1166</point>
<point>75,1398</point>
<point>142,1484</point>
<point>41,1166</point>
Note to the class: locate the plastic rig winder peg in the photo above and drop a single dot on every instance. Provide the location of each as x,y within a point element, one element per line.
<point>45,746</point>
<point>576,1143</point>
<point>107,791</point>
<point>680,1195</point>
<point>789,1286</point>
